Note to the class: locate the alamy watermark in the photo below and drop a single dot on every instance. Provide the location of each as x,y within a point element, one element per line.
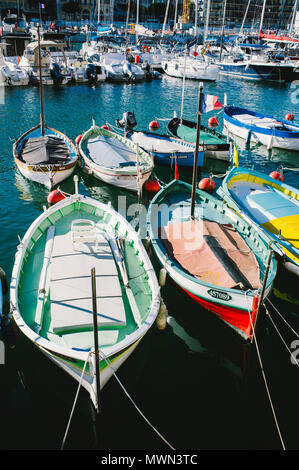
<point>295,92</point>
<point>295,354</point>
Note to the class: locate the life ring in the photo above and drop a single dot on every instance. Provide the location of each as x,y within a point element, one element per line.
<point>4,283</point>
<point>145,48</point>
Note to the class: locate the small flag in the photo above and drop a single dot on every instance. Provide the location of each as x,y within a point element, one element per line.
<point>42,5</point>
<point>209,103</point>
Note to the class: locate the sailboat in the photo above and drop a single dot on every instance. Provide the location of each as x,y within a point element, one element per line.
<point>43,154</point>
<point>211,253</point>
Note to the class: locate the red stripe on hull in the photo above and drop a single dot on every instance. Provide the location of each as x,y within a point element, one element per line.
<point>236,317</point>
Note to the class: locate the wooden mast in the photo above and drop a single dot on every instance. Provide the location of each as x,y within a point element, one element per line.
<point>42,116</point>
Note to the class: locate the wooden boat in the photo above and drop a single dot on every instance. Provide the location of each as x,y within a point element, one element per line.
<point>43,154</point>
<point>115,159</point>
<point>271,205</point>
<point>216,257</point>
<point>55,305</point>
<point>261,128</point>
<point>165,149</point>
<point>214,144</point>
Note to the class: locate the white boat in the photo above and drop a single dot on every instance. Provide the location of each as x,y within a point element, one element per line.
<point>10,73</point>
<point>118,69</point>
<point>192,68</point>
<point>264,129</point>
<point>115,159</point>
<point>93,291</point>
<point>53,73</point>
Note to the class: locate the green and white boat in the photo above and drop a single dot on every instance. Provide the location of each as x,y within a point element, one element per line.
<point>79,261</point>
<point>115,159</point>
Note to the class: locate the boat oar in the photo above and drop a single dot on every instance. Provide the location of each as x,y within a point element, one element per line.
<point>96,341</point>
<point>42,293</point>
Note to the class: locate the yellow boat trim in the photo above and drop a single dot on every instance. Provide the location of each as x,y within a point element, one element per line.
<point>288,226</point>
<point>261,181</point>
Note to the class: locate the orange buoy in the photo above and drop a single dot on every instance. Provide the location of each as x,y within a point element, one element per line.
<point>107,128</point>
<point>55,196</point>
<point>213,122</point>
<point>152,186</point>
<point>78,139</point>
<point>277,175</point>
<point>290,117</point>
<point>207,184</point>
<point>136,59</point>
<point>153,125</point>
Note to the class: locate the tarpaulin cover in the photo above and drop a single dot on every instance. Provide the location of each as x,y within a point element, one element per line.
<point>214,253</point>
<point>110,152</point>
<point>45,149</point>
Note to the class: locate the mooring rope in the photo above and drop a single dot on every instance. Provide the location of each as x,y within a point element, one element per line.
<point>102,355</point>
<point>264,378</point>
<point>272,305</point>
<point>75,401</point>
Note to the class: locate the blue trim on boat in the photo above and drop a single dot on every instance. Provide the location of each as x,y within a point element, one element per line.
<point>230,114</point>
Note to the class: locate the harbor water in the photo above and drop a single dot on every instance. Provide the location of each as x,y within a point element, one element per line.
<point>192,385</point>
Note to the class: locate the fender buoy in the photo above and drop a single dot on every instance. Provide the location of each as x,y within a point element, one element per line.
<point>152,186</point>
<point>277,175</point>
<point>136,59</point>
<point>213,122</point>
<point>55,196</point>
<point>107,128</point>
<point>78,139</point>
<point>207,184</point>
<point>153,125</point>
<point>290,117</point>
<point>255,302</point>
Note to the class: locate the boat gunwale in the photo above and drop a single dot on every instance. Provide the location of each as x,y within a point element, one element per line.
<point>130,171</point>
<point>278,133</point>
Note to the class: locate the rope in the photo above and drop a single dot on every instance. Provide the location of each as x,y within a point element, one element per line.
<point>289,169</point>
<point>264,377</point>
<point>132,401</point>
<point>75,401</point>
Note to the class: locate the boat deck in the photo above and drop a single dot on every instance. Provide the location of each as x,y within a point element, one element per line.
<point>71,292</point>
<point>160,144</point>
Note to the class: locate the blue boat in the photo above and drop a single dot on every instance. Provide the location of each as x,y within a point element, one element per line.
<point>261,128</point>
<point>165,149</point>
<point>269,205</point>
